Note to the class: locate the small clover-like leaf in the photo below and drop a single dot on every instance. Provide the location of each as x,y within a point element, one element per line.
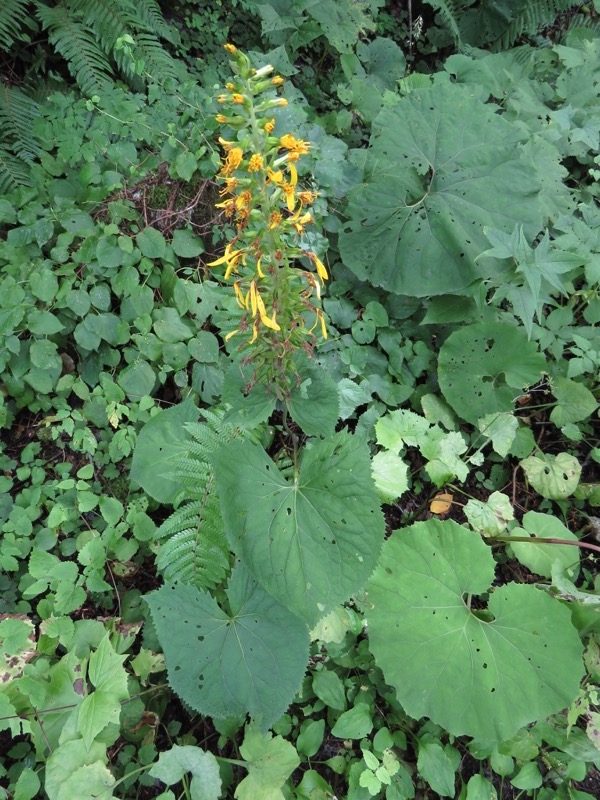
<point>554,477</point>
<point>481,678</point>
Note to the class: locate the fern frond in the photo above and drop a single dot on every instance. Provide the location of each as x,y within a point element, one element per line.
<point>13,171</point>
<point>17,115</point>
<point>156,59</point>
<point>149,13</point>
<point>109,19</point>
<point>77,44</point>
<point>529,19</point>
<point>12,14</point>
<point>449,13</point>
<point>198,554</point>
<point>194,547</point>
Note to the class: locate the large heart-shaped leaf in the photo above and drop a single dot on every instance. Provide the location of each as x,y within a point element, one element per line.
<point>484,367</point>
<point>312,542</point>
<point>441,165</point>
<point>250,660</point>
<point>448,662</point>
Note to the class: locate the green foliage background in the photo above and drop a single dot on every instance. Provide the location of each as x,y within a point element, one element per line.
<point>203,597</point>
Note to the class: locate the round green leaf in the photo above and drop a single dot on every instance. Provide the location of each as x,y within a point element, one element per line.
<point>554,477</point>
<point>440,165</point>
<point>151,243</point>
<point>540,558</point>
<point>483,368</point>
<point>251,660</point>
<point>312,542</point>
<point>482,678</point>
<point>137,380</point>
<point>186,244</point>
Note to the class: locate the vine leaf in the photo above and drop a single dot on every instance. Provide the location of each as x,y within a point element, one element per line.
<point>482,678</point>
<point>440,165</point>
<point>249,660</point>
<point>310,543</point>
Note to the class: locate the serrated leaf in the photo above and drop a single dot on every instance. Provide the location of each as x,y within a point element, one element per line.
<point>492,517</point>
<point>441,165</point>
<point>103,705</point>
<point>434,765</point>
<point>390,475</point>
<point>229,664</point>
<point>160,444</point>
<point>315,404</point>
<point>501,428</point>
<point>173,764</point>
<point>483,367</point>
<point>310,543</point>
<point>484,679</point>
<point>399,428</point>
<point>269,761</point>
<point>575,402</point>
<point>554,477</point>
<point>539,557</point>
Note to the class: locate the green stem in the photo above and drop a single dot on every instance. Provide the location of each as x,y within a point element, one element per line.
<point>544,540</point>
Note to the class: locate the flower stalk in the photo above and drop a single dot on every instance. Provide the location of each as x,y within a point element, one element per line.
<point>261,196</point>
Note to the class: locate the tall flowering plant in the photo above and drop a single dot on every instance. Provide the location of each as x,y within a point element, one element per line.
<point>261,196</point>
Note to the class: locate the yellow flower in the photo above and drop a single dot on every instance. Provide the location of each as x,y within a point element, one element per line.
<point>321,271</point>
<point>234,158</point>
<point>277,80</point>
<point>258,309</point>
<point>288,187</point>
<point>275,220</point>
<point>307,198</point>
<point>256,163</point>
<point>281,101</point>
<point>223,98</point>
<point>259,271</point>
<point>296,146</point>
<point>270,126</point>
<point>239,295</point>
<point>221,118</point>
<point>237,98</point>
<point>231,258</point>
<point>230,86</point>
<point>231,48</point>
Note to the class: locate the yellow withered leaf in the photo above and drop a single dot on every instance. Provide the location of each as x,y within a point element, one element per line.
<point>441,503</point>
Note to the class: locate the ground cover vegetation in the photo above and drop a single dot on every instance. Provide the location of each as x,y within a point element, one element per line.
<point>299,473</point>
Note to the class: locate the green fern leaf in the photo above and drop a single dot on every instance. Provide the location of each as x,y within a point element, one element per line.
<point>529,19</point>
<point>17,114</point>
<point>449,13</point>
<point>13,171</point>
<point>148,12</point>
<point>12,17</point>
<point>77,44</point>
